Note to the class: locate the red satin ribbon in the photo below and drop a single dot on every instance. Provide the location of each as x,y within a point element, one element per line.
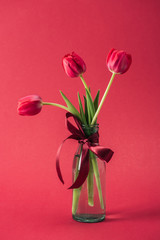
<point>91,143</point>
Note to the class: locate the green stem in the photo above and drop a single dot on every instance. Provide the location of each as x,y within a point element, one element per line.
<point>84,83</point>
<point>98,182</point>
<point>94,170</point>
<point>103,98</point>
<point>56,105</point>
<point>76,191</point>
<point>76,195</point>
<point>90,182</point>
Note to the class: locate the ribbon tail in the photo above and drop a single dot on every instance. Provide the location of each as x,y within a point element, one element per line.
<point>102,152</point>
<point>58,165</point>
<point>84,169</point>
<point>57,157</point>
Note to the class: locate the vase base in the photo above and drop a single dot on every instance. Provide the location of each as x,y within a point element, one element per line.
<point>89,218</point>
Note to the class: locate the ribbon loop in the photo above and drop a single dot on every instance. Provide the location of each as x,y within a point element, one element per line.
<point>91,143</point>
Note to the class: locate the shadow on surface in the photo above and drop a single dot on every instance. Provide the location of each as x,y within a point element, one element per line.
<point>137,213</point>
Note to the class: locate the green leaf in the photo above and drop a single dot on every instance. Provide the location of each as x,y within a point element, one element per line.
<point>86,111</point>
<point>96,100</point>
<point>71,108</point>
<point>81,110</point>
<point>90,105</point>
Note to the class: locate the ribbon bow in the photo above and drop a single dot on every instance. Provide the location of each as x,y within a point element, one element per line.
<point>91,143</point>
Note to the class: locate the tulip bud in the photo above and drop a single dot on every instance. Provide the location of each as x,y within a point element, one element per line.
<point>118,61</point>
<point>29,105</point>
<point>73,65</point>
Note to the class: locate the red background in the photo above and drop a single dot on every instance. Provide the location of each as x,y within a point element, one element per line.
<point>34,36</point>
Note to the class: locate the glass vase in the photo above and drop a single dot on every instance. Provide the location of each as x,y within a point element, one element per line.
<point>89,200</point>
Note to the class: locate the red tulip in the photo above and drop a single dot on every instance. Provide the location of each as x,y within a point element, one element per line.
<point>73,65</point>
<point>29,105</point>
<point>118,61</point>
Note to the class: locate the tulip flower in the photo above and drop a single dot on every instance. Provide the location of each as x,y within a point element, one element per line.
<point>73,65</point>
<point>29,105</point>
<point>32,105</point>
<point>118,61</point>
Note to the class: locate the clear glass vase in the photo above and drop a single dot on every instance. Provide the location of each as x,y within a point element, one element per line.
<point>89,200</point>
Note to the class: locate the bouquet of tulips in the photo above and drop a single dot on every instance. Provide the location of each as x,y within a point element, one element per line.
<point>118,62</point>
